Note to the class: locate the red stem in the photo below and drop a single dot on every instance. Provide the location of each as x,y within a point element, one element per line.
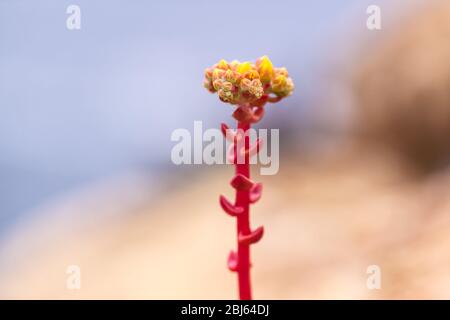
<point>243,220</point>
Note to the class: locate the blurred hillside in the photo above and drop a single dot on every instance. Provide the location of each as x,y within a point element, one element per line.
<point>326,221</point>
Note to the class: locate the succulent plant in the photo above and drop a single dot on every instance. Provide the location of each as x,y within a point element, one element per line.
<point>249,87</point>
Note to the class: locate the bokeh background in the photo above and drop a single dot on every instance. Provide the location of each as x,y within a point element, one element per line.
<point>86,177</point>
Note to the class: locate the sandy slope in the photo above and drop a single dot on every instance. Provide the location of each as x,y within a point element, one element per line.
<point>326,221</point>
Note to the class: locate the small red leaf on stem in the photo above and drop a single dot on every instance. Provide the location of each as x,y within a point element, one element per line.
<point>232,262</point>
<point>249,114</point>
<point>255,192</point>
<point>228,133</point>
<point>243,114</point>
<point>253,237</point>
<point>275,99</point>
<point>240,182</point>
<point>261,101</point>
<point>229,208</point>
<point>257,114</point>
<point>224,128</point>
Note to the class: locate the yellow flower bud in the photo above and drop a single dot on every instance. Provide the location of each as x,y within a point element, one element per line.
<point>234,64</point>
<point>208,73</point>
<point>252,74</point>
<point>256,88</point>
<point>256,83</point>
<point>278,83</point>
<point>244,67</point>
<point>282,86</point>
<point>217,84</point>
<point>265,69</point>
<point>282,71</point>
<point>224,95</point>
<point>245,84</point>
<point>217,74</point>
<point>232,76</point>
<point>222,65</point>
<point>208,85</point>
<point>289,86</point>
<point>227,86</point>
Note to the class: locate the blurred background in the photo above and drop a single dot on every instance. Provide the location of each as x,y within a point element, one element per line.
<point>86,177</point>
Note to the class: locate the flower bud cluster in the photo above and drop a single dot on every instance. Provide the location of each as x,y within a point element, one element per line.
<point>245,83</point>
